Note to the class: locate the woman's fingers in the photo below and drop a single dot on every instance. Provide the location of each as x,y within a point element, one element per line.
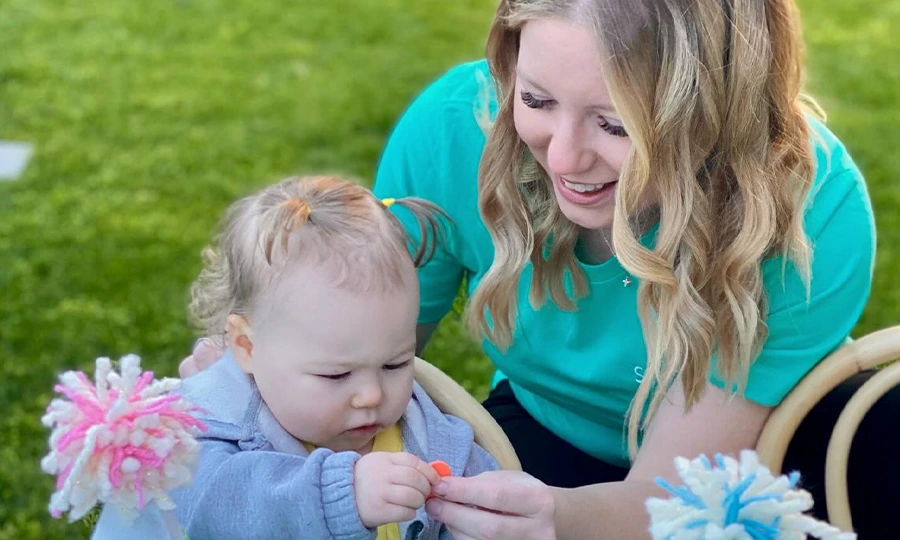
<point>466,522</point>
<point>206,353</point>
<point>508,492</point>
<point>188,367</point>
<point>495,505</point>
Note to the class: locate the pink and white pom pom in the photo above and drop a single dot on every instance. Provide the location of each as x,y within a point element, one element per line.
<point>126,441</point>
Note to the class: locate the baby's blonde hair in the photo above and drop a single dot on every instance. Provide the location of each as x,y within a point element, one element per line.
<point>319,220</point>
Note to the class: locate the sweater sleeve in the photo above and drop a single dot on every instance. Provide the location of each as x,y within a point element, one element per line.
<point>263,494</point>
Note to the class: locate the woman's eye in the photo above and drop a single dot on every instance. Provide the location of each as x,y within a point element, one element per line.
<point>612,129</point>
<point>401,365</point>
<point>532,102</point>
<point>337,377</point>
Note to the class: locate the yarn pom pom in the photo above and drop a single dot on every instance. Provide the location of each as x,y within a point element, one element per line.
<point>735,500</point>
<point>125,441</point>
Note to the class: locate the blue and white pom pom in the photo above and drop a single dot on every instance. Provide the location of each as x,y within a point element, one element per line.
<point>735,500</point>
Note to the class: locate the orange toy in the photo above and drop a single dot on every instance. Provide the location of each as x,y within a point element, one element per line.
<point>442,469</point>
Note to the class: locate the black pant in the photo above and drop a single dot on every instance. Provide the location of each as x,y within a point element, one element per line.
<point>874,469</point>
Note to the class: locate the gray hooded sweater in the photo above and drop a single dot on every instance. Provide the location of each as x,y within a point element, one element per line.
<point>255,480</point>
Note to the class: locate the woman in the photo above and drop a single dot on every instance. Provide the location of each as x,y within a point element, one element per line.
<point>657,238</point>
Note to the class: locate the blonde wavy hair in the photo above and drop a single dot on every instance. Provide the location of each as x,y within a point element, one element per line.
<point>322,220</point>
<point>710,93</point>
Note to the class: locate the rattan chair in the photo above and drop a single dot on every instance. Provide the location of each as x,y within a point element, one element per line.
<point>876,349</point>
<point>451,398</point>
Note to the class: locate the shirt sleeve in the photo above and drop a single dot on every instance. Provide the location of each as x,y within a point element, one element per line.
<point>419,161</point>
<point>803,329</point>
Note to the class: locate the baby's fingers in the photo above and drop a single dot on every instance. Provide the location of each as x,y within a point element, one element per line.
<point>426,470</point>
<point>405,498</point>
<point>410,477</point>
<point>429,473</point>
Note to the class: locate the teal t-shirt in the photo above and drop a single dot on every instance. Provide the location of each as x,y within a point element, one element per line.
<point>577,372</point>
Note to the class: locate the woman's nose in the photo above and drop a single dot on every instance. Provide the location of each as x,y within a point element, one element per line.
<point>569,153</point>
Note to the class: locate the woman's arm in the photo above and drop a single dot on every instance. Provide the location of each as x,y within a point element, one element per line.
<point>423,334</point>
<point>718,423</point>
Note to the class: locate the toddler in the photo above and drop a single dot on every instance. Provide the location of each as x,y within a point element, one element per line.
<point>316,426</point>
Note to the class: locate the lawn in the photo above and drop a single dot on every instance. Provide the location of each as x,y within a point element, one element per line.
<point>150,117</point>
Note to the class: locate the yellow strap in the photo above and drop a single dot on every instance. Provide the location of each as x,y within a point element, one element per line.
<point>388,440</point>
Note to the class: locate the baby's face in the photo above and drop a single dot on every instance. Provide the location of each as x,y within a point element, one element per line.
<point>336,367</point>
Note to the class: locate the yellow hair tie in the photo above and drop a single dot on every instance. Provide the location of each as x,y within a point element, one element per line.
<point>388,202</point>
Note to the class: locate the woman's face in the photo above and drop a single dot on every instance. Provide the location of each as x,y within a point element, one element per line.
<point>564,114</point>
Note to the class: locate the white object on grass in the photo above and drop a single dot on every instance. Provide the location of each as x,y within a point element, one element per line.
<point>14,156</point>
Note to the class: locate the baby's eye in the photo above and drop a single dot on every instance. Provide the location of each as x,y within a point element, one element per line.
<point>401,365</point>
<point>337,377</point>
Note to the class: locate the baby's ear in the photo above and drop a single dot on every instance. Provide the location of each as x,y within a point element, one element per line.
<point>240,340</point>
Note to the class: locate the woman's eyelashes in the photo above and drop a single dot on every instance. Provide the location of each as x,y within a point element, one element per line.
<point>533,102</point>
<point>612,129</point>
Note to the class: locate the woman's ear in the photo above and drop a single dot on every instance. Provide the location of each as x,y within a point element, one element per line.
<point>240,339</point>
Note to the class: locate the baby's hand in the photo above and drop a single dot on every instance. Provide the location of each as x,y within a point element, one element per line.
<point>390,487</point>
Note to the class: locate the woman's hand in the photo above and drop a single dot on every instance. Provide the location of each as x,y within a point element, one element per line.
<point>206,353</point>
<point>495,505</point>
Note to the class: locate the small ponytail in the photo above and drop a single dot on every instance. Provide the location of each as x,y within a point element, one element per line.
<point>427,215</point>
<point>291,215</point>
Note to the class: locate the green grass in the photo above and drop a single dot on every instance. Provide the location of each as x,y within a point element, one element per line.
<point>150,117</point>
